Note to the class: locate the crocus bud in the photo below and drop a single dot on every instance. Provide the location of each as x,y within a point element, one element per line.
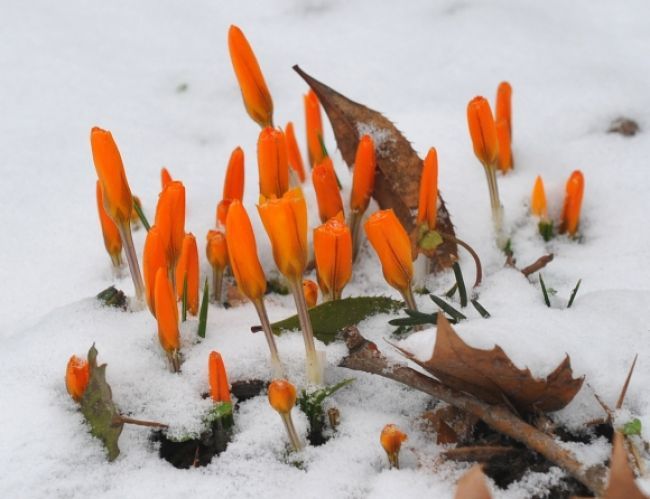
<point>216,249</point>
<point>254,91</point>
<point>233,186</point>
<point>282,395</point>
<point>391,440</point>
<point>538,199</point>
<point>504,156</point>
<point>285,221</point>
<point>272,163</point>
<point>242,252</point>
<point>219,388</point>
<point>188,268</point>
<point>482,130</point>
<point>154,258</point>
<point>393,247</point>
<point>503,108</point>
<point>575,187</point>
<point>112,239</point>
<point>328,195</point>
<point>314,127</point>
<point>428,202</point>
<point>77,375</point>
<point>118,201</point>
<point>363,177</point>
<point>167,316</point>
<point>310,288</point>
<point>293,152</point>
<point>165,177</point>
<point>333,254</point>
<point>170,219</point>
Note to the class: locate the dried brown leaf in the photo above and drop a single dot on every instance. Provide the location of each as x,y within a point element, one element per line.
<point>450,424</point>
<point>621,479</point>
<point>399,168</point>
<point>472,485</point>
<point>492,377</point>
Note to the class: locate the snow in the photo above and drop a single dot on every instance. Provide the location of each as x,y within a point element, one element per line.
<point>68,66</point>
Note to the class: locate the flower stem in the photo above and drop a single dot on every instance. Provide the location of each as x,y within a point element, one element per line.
<point>217,284</point>
<point>407,294</point>
<point>314,373</point>
<point>276,364</point>
<point>132,258</point>
<point>291,431</point>
<point>354,222</point>
<point>495,203</point>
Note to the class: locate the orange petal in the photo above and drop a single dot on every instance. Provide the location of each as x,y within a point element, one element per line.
<point>77,375</point>
<point>328,195</point>
<point>538,199</point>
<point>166,312</point>
<point>504,156</point>
<point>272,163</point>
<point>310,288</point>
<point>154,258</point>
<point>391,438</point>
<point>165,177</point>
<point>282,395</point>
<point>233,186</point>
<point>428,202</point>
<point>217,249</point>
<point>219,388</point>
<point>503,108</point>
<point>170,219</point>
<point>333,254</point>
<point>575,187</point>
<point>314,127</point>
<point>112,239</point>
<point>482,130</point>
<point>188,266</point>
<point>363,177</point>
<point>293,152</point>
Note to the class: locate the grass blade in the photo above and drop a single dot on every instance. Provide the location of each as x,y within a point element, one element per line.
<point>448,309</point>
<point>203,314</point>
<point>574,293</point>
<point>143,219</point>
<point>462,291</point>
<point>544,292</point>
<point>480,309</point>
<point>452,291</point>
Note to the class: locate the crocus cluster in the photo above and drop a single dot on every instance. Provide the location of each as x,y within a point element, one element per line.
<point>570,217</point>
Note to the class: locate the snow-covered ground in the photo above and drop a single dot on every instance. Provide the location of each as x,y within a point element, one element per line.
<point>157,74</point>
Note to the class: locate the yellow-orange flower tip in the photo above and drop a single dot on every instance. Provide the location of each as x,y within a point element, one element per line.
<point>272,163</point>
<point>363,177</point>
<point>293,152</point>
<point>482,130</point>
<point>242,253</point>
<point>112,239</point>
<point>327,190</point>
<point>77,375</point>
<point>188,267</point>
<point>333,255</point>
<point>314,128</point>
<point>170,219</point>
<point>428,201</point>
<point>391,440</point>
<point>255,93</point>
<point>310,288</point>
<point>538,200</point>
<point>219,388</point>
<point>504,155</point>
<point>282,395</point>
<point>118,201</point>
<point>216,249</point>
<point>165,177</point>
<point>166,312</point>
<point>503,106</point>
<point>154,258</point>
<point>393,246</point>
<point>575,187</point>
<point>285,222</point>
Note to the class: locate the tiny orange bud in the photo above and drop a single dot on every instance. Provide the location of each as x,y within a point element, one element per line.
<point>77,375</point>
<point>282,395</point>
<point>538,200</point>
<point>293,152</point>
<point>233,186</point>
<point>117,197</point>
<point>154,258</point>
<point>242,252</point>
<point>188,267</point>
<point>482,130</point>
<point>254,91</point>
<point>272,163</point>
<point>219,388</point>
<point>428,202</point>
<point>333,254</point>
<point>575,187</point>
<point>393,247</point>
<point>328,195</point>
<point>170,219</point>
<point>112,239</point>
<point>391,440</point>
<point>503,108</point>
<point>165,177</point>
<point>166,312</point>
<point>217,249</point>
<point>314,127</point>
<point>363,177</point>
<point>504,156</point>
<point>310,288</point>
<point>285,221</point>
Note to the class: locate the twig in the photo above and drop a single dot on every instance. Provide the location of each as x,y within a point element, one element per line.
<point>364,356</point>
<point>470,250</point>
<point>139,422</point>
<point>538,264</point>
<point>621,397</point>
<point>479,453</point>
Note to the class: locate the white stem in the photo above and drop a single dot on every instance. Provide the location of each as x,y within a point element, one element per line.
<point>314,372</point>
<point>131,257</point>
<point>291,431</point>
<point>276,364</point>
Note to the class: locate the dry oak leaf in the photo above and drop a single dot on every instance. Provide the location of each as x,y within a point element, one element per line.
<point>472,485</point>
<point>492,377</point>
<point>399,168</point>
<point>621,479</point>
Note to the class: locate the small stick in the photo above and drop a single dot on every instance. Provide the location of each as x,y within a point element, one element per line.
<point>621,397</point>
<point>538,264</point>
<point>470,250</point>
<point>139,422</point>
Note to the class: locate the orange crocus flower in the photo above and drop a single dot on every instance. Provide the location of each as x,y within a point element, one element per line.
<point>428,202</point>
<point>538,199</point>
<point>314,127</point>
<point>233,186</point>
<point>310,289</point>
<point>112,239</point>
<point>503,108</point>
<point>219,388</point>
<point>293,152</point>
<point>482,130</point>
<point>363,178</point>
<point>154,258</point>
<point>272,163</point>
<point>575,187</point>
<point>217,252</point>
<point>170,220</point>
<point>188,267</point>
<point>282,397</point>
<point>328,195</point>
<point>167,317</point>
<point>165,177</point>
<point>77,376</point>
<point>333,254</point>
<point>254,91</point>
<point>504,156</point>
<point>391,440</point>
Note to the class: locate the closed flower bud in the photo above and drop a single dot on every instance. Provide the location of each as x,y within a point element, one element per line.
<point>188,268</point>
<point>282,395</point>
<point>77,375</point>
<point>314,127</point>
<point>272,163</point>
<point>363,177</point>
<point>285,221</point>
<point>428,202</point>
<point>310,288</point>
<point>242,252</point>
<point>254,91</point>
<point>165,177</point>
<point>217,249</point>
<point>391,440</point>
<point>233,186</point>
<point>575,187</point>
<point>170,219</point>
<point>538,200</point>
<point>482,130</point>
<point>166,313</point>
<point>333,253</point>
<point>219,388</point>
<point>112,239</point>
<point>154,258</point>
<point>504,156</point>
<point>117,197</point>
<point>503,108</point>
<point>293,152</point>
<point>328,195</point>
